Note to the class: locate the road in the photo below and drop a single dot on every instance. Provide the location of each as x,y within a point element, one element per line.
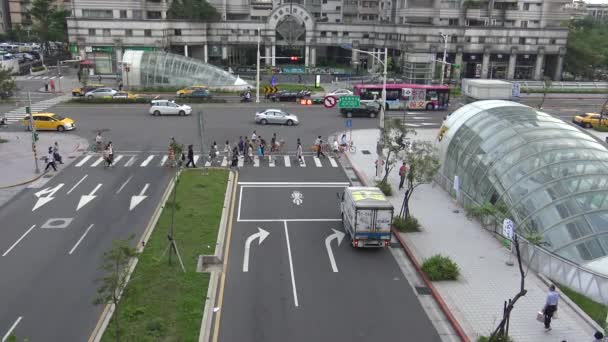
<point>50,254</point>
<point>281,283</point>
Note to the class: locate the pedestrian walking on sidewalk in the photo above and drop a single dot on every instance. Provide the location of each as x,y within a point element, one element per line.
<point>120,86</point>
<point>190,156</point>
<point>227,148</point>
<point>402,172</point>
<point>598,337</point>
<point>262,145</point>
<point>46,86</point>
<point>254,137</point>
<point>550,306</point>
<point>50,160</point>
<point>56,153</point>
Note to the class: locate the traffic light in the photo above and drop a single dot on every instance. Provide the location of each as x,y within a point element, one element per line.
<point>293,58</point>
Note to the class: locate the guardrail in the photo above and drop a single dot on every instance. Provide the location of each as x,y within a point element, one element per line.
<point>587,282</point>
<point>564,85</point>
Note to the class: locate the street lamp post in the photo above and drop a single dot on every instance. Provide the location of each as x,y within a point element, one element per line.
<point>445,52</point>
<point>257,74</point>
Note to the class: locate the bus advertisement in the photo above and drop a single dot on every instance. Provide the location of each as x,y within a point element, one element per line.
<point>406,96</point>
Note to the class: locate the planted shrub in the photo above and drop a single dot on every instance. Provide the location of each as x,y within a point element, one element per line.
<point>495,339</point>
<point>406,225</point>
<point>98,100</point>
<point>385,188</point>
<point>38,68</point>
<point>439,267</point>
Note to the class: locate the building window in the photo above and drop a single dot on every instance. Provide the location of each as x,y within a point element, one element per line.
<point>524,24</point>
<point>337,20</point>
<point>344,34</point>
<point>97,13</point>
<point>323,34</point>
<point>123,14</point>
<point>137,14</point>
<point>522,41</point>
<point>467,39</point>
<point>338,8</point>
<point>335,33</point>
<point>526,6</point>
<point>154,15</point>
<point>91,32</point>
<point>453,39</point>
<point>106,32</point>
<point>453,22</point>
<point>324,1</point>
<point>129,33</point>
<point>552,41</point>
<point>481,40</point>
<point>177,32</point>
<point>366,36</point>
<point>148,33</point>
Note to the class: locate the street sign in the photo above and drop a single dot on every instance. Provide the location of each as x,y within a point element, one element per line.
<point>349,123</point>
<point>508,227</point>
<point>349,102</point>
<point>270,89</point>
<point>330,101</point>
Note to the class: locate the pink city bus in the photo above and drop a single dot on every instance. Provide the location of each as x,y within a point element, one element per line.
<point>406,96</point>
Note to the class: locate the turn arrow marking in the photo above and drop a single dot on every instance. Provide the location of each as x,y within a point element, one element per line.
<point>261,235</point>
<point>44,200</point>
<point>135,200</point>
<point>336,235</point>
<point>84,199</point>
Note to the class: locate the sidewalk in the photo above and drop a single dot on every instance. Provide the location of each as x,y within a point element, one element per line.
<point>476,298</point>
<point>18,169</point>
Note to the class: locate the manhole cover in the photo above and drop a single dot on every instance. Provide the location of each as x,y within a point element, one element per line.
<point>366,152</point>
<point>423,290</point>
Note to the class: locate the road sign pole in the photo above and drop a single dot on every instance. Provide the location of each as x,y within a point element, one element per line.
<point>257,74</point>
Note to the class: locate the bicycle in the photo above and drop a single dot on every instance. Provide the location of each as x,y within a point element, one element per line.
<point>350,147</point>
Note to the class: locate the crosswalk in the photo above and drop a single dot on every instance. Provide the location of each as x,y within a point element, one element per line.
<point>421,119</point>
<point>18,114</point>
<point>46,77</point>
<point>158,160</point>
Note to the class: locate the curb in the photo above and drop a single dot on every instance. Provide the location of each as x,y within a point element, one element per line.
<point>438,299</point>
<point>582,314</point>
<point>108,310</point>
<point>212,288</point>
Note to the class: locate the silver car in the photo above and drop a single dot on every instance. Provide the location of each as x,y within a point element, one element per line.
<point>276,116</point>
<point>101,92</point>
<point>338,93</point>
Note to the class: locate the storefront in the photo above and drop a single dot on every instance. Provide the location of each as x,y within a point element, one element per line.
<point>103,58</point>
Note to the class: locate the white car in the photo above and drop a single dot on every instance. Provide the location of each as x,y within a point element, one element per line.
<point>168,107</point>
<point>339,93</point>
<point>276,116</point>
<point>101,92</point>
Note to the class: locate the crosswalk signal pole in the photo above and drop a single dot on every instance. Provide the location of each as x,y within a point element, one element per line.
<point>28,110</point>
<point>257,74</point>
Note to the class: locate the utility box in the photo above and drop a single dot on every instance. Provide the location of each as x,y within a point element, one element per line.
<point>482,89</point>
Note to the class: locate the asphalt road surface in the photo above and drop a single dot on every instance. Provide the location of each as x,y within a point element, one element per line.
<point>52,240</point>
<point>286,288</point>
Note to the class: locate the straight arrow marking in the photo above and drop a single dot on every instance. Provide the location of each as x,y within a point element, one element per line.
<point>261,235</point>
<point>336,235</point>
<point>135,200</point>
<point>84,199</point>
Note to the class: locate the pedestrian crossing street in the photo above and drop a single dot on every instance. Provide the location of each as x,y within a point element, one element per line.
<point>159,160</point>
<point>18,114</point>
<point>29,77</point>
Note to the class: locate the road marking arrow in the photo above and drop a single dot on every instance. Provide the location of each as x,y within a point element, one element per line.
<point>261,235</point>
<point>84,199</point>
<point>336,235</point>
<point>44,200</point>
<point>135,200</point>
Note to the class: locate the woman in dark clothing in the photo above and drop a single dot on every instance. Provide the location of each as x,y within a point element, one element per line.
<point>190,157</point>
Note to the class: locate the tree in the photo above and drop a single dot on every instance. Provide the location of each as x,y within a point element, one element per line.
<point>587,47</point>
<point>192,10</point>
<point>49,22</point>
<point>7,83</point>
<point>395,132</point>
<point>115,264</point>
<point>547,83</point>
<point>423,165</point>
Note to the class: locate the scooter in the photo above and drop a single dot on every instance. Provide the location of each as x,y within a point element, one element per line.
<point>245,99</point>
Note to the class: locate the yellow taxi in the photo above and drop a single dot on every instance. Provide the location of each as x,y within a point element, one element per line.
<point>85,89</point>
<point>190,90</point>
<point>125,95</point>
<point>589,120</point>
<point>49,122</point>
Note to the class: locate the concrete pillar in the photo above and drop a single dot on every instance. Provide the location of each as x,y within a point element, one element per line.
<point>306,55</point>
<point>458,60</point>
<point>512,61</point>
<point>373,59</point>
<point>274,54</point>
<point>538,68</point>
<point>205,53</point>
<point>559,67</point>
<point>186,50</point>
<point>313,56</point>
<point>485,64</point>
<point>354,58</point>
<point>267,53</point>
<point>224,52</point>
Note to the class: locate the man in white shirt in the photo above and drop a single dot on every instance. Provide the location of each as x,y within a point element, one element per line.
<point>550,306</point>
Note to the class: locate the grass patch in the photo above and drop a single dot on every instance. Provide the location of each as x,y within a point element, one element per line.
<point>595,310</point>
<point>406,225</point>
<point>454,91</point>
<point>439,267</point>
<point>161,303</point>
<point>564,91</point>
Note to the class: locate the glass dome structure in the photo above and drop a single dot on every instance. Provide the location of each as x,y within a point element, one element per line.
<point>161,69</point>
<point>552,176</point>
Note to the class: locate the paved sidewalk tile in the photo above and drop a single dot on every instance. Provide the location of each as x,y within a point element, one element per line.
<point>476,299</point>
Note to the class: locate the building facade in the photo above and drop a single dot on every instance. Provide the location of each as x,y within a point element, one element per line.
<point>16,12</point>
<point>510,39</point>
<point>597,11</point>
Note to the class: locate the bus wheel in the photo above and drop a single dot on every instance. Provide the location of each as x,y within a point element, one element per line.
<point>430,106</point>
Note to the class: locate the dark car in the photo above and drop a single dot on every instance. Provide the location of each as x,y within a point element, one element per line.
<point>289,96</point>
<point>199,94</point>
<point>368,110</point>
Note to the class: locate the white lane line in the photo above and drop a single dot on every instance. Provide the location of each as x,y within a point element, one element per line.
<point>333,162</point>
<point>80,240</point>
<point>17,242</point>
<point>117,159</point>
<point>163,161</point>
<point>287,161</point>
<point>225,162</point>
<point>241,162</point>
<point>97,162</point>
<point>196,157</point>
<point>77,184</point>
<point>291,220</point>
<point>123,185</point>
<point>10,331</point>
<point>317,161</point>
<point>303,163</point>
<point>130,162</point>
<point>238,216</point>
<point>256,161</point>
<point>83,160</point>
<point>293,277</point>
<point>147,161</point>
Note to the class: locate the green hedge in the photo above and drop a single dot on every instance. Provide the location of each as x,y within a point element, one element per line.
<point>601,128</point>
<point>158,89</point>
<point>495,339</point>
<point>100,100</point>
<point>200,100</point>
<point>406,225</point>
<point>386,188</point>
<point>439,267</point>
<point>38,68</point>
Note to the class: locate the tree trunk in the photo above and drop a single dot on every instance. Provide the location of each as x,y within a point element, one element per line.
<point>386,167</point>
<point>117,319</point>
<point>408,195</point>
